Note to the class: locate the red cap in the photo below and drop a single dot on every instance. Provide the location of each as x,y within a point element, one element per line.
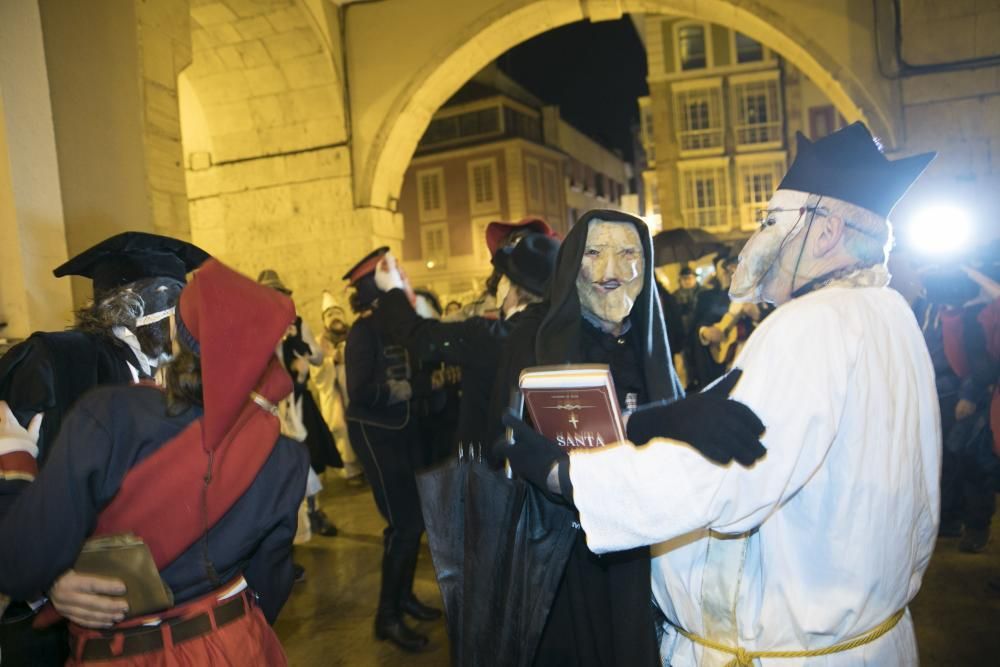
<point>236,325</point>
<point>497,231</point>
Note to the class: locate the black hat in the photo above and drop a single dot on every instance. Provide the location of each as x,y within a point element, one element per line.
<point>270,278</point>
<point>529,263</point>
<point>130,256</point>
<point>366,265</point>
<point>687,271</point>
<point>848,165</point>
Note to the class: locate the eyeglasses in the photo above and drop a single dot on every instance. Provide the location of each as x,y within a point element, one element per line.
<point>765,218</point>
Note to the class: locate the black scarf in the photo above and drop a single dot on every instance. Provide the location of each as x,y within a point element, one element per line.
<point>558,338</point>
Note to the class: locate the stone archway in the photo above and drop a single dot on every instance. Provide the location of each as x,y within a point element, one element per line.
<point>382,149</point>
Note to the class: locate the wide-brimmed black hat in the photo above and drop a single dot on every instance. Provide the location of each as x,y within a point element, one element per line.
<point>270,278</point>
<point>529,263</point>
<point>848,165</point>
<point>130,256</point>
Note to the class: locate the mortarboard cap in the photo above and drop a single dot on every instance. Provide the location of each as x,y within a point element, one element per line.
<point>848,165</point>
<point>131,256</point>
<point>366,266</point>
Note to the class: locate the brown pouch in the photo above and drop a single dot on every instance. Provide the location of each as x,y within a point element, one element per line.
<point>125,556</point>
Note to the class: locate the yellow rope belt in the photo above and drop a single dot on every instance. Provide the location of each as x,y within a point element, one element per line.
<point>744,658</point>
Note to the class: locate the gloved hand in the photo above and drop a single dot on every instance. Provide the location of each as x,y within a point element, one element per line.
<point>399,391</point>
<point>387,275</point>
<point>16,438</point>
<point>532,456</point>
<point>719,428</point>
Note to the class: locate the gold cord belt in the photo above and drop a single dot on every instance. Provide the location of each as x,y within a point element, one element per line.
<point>744,658</point>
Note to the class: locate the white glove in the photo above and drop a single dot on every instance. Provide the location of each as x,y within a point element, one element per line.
<point>387,275</point>
<point>14,437</point>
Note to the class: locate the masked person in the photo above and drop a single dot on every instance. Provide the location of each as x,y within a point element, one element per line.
<point>813,553</point>
<point>474,344</point>
<point>330,382</point>
<point>197,470</point>
<point>120,338</point>
<point>384,436</point>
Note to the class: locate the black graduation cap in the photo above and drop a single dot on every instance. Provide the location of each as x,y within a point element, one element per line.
<point>130,256</point>
<point>848,165</point>
<point>366,266</point>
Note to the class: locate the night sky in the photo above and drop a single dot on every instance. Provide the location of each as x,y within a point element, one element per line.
<point>595,72</point>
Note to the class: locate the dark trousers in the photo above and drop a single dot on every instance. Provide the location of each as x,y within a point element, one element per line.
<point>23,646</point>
<point>968,471</point>
<point>388,458</point>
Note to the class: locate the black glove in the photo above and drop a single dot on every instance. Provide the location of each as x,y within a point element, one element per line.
<point>721,429</point>
<point>532,455</point>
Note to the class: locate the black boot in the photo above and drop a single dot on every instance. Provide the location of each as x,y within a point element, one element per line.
<point>320,525</point>
<point>389,622</point>
<point>417,609</point>
<point>396,631</point>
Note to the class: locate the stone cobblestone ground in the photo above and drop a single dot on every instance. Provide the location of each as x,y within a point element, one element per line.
<point>328,619</point>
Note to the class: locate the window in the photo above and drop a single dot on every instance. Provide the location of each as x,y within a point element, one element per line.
<point>748,50</point>
<point>479,249</point>
<point>757,110</point>
<point>599,190</point>
<point>483,195</point>
<point>691,46</point>
<point>698,112</point>
<point>705,195</point>
<point>551,188</point>
<point>462,126</point>
<point>430,194</point>
<point>533,176</point>
<point>821,122</point>
<point>434,245</point>
<point>757,177</point>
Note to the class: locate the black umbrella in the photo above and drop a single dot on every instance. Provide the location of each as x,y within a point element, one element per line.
<point>684,245</point>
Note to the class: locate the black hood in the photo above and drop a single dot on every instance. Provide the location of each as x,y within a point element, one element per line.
<point>558,338</point>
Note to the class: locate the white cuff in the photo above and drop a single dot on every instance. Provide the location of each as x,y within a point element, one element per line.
<point>10,444</point>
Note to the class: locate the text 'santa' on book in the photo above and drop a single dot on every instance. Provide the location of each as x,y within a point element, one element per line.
<point>575,405</point>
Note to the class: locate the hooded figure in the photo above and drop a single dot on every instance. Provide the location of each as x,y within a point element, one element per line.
<point>608,313</point>
<point>199,472</point>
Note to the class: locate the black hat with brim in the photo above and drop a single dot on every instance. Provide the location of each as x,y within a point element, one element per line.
<point>848,165</point>
<point>366,265</point>
<point>131,256</point>
<point>529,264</point>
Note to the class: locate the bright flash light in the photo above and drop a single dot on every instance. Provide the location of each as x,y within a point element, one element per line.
<point>940,229</point>
<point>430,264</point>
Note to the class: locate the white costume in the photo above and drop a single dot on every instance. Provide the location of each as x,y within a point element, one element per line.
<point>825,537</point>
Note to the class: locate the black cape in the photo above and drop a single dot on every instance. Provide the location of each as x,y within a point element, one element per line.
<point>602,613</point>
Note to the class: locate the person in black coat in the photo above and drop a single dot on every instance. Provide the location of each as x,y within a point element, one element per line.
<point>383,435</point>
<point>474,344</point>
<point>120,338</point>
<point>603,307</point>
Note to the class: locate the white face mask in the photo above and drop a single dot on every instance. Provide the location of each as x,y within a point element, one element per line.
<point>611,271</point>
<point>761,253</point>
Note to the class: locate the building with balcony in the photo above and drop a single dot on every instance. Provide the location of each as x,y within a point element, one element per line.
<point>493,152</point>
<point>718,125</point>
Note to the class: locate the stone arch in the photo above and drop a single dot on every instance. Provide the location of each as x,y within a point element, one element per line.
<point>267,166</point>
<point>379,172</point>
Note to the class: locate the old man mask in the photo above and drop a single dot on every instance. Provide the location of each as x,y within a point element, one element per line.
<point>611,272</point>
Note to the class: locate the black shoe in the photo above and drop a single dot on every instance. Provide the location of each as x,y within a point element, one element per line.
<point>300,573</point>
<point>950,528</point>
<point>418,609</point>
<point>320,525</point>
<point>396,631</point>
<point>975,540</point>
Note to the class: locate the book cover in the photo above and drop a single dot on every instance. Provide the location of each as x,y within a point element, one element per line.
<point>575,405</point>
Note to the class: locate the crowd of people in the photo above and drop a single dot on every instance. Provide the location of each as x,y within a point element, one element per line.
<point>781,412</point>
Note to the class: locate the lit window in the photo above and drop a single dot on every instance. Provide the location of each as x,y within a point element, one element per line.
<point>699,118</point>
<point>757,110</point>
<point>483,186</point>
<point>757,178</point>
<point>705,196</point>
<point>691,46</point>
<point>821,122</point>
<point>434,245</point>
<point>748,50</point>
<point>532,174</point>
<point>430,193</point>
<point>551,187</point>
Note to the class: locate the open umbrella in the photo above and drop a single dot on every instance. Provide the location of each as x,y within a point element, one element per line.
<point>684,245</point>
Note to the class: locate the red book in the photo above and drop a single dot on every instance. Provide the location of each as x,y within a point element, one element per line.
<point>575,405</point>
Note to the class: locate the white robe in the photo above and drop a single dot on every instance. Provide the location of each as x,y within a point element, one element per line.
<point>825,537</point>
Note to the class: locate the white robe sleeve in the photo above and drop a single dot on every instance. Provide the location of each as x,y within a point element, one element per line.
<point>796,371</point>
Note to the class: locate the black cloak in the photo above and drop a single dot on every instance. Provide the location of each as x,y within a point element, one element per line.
<point>602,614</point>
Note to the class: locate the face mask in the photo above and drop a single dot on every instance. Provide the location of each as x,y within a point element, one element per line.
<point>611,271</point>
<point>761,252</point>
